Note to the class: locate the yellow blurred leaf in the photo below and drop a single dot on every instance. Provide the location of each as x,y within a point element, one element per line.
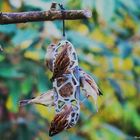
<point>129,89</point>
<point>10,105</point>
<point>136,50</point>
<point>122,64</point>
<point>25,44</point>
<point>6,7</point>
<point>45,112</point>
<point>82,29</point>
<point>99,73</point>
<point>32,55</point>
<point>98,35</point>
<point>128,64</point>
<point>129,22</point>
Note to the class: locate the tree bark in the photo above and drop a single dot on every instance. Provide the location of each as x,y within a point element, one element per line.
<point>22,17</point>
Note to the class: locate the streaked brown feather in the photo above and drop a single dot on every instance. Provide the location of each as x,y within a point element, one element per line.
<point>93,85</point>
<point>61,64</point>
<point>60,121</point>
<point>86,77</point>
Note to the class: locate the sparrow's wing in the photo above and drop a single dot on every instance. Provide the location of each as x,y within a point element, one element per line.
<point>60,122</point>
<point>62,62</point>
<point>45,99</point>
<point>89,86</point>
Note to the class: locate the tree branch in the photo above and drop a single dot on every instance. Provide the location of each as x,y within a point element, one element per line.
<point>22,17</point>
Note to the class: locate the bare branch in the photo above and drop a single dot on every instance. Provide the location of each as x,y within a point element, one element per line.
<point>22,17</point>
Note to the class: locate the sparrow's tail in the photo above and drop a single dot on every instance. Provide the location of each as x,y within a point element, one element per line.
<point>24,102</point>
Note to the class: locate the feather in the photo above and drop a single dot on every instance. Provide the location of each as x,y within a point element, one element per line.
<point>61,63</point>
<point>89,86</point>
<point>60,121</point>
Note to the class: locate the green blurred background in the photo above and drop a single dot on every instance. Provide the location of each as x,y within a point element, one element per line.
<point>108,47</point>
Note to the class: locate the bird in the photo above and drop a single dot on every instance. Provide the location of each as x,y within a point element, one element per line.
<point>62,61</point>
<point>65,81</point>
<point>61,121</point>
<point>45,99</point>
<point>68,79</point>
<point>50,56</point>
<point>89,86</point>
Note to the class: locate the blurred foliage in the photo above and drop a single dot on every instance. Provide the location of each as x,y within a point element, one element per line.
<point>108,46</point>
